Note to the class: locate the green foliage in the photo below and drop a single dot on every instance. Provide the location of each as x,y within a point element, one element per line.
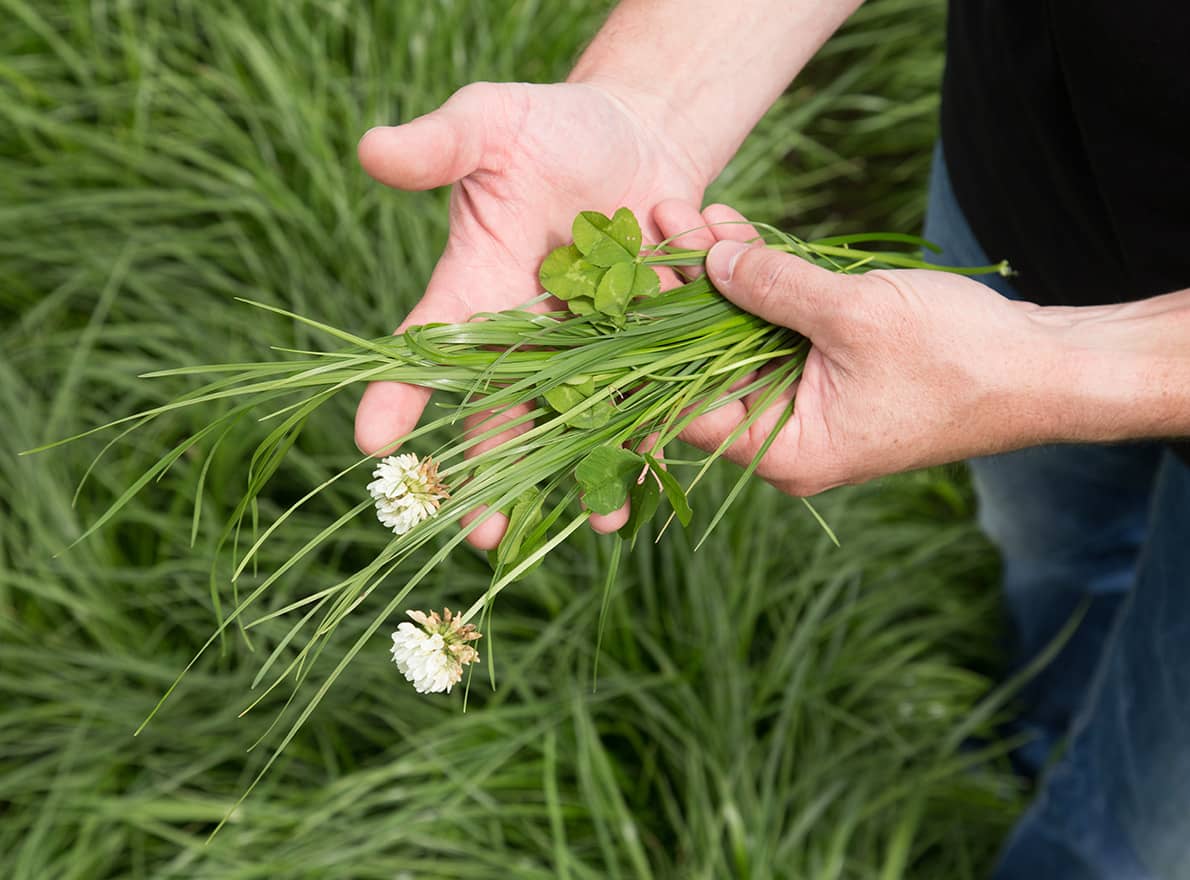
<point>606,241</point>
<point>568,276</point>
<point>673,492</point>
<point>525,536</point>
<point>565,397</point>
<point>605,476</point>
<point>601,272</point>
<point>766,707</point>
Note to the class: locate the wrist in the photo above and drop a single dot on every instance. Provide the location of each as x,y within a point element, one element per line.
<point>661,118</point>
<point>1121,372</point>
<point>703,72</point>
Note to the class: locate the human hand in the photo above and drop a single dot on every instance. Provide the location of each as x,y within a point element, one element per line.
<point>524,160</point>
<point>908,368</point>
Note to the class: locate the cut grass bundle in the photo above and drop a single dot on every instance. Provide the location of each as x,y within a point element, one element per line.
<point>598,395</point>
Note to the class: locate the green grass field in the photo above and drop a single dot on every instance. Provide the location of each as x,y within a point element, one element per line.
<point>768,707</point>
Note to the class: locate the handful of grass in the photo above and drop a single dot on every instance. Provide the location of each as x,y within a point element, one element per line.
<point>599,388</point>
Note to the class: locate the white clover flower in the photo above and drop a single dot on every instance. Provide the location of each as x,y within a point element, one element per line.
<point>407,490</point>
<point>433,655</point>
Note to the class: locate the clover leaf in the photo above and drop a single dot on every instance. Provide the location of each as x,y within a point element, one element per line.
<point>602,271</point>
<point>524,535</point>
<point>564,398</point>
<point>606,241</point>
<point>566,275</point>
<point>645,282</point>
<point>582,305</point>
<point>615,289</point>
<point>645,496</point>
<point>605,477</point>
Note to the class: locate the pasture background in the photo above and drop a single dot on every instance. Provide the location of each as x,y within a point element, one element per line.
<point>767,707</point>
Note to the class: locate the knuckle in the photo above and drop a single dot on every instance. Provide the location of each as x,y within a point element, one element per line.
<point>883,291</point>
<point>478,92</point>
<point>889,305</point>
<point>772,280</point>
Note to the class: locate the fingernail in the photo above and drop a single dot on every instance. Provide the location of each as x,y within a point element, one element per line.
<point>721,260</point>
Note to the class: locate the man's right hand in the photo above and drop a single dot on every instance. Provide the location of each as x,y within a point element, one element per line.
<point>524,160</point>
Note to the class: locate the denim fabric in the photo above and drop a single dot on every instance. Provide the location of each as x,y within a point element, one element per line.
<point>1103,531</point>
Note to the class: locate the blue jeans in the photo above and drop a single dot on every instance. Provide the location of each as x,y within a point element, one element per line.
<point>1103,531</point>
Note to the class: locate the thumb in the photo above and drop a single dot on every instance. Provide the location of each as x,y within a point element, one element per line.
<point>436,149</point>
<point>778,287</point>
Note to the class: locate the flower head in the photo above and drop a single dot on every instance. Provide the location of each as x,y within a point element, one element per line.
<point>433,655</point>
<point>407,490</point>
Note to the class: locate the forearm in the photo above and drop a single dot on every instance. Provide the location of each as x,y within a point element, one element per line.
<point>1126,368</point>
<point>706,70</point>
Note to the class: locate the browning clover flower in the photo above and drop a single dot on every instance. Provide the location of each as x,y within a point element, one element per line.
<point>407,491</point>
<point>433,656</point>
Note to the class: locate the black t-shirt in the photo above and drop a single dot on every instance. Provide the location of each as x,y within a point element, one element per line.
<point>1066,130</point>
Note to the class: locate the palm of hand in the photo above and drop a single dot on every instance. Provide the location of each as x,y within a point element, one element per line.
<point>524,160</point>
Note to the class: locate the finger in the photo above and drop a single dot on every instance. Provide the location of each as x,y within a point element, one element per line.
<point>488,534</point>
<point>652,234</point>
<point>681,222</point>
<point>780,288</point>
<point>717,420</point>
<point>712,427</point>
<point>710,431</point>
<point>389,410</point>
<point>606,523</point>
<point>439,148</point>
<point>649,446</point>
<point>669,277</point>
<point>728,224</point>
